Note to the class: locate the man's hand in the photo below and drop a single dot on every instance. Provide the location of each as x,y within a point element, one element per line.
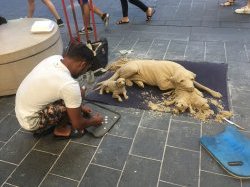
<point>96,120</point>
<point>86,109</point>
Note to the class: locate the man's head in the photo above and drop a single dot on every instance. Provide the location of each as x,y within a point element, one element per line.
<point>78,59</point>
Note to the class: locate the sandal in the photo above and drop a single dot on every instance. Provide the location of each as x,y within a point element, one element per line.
<point>148,18</point>
<point>227,3</point>
<point>43,132</point>
<point>73,134</point>
<point>243,10</point>
<point>121,22</point>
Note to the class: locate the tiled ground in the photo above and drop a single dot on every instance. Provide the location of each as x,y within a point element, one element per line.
<point>143,148</point>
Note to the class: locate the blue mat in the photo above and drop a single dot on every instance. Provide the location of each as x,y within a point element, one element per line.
<point>231,149</point>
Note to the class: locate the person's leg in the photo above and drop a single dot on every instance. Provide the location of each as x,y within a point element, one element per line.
<point>52,8</point>
<point>51,116</point>
<point>125,18</point>
<point>85,16</point>
<point>31,8</point>
<point>148,10</point>
<point>102,15</point>
<point>139,4</point>
<point>244,10</point>
<point>228,3</point>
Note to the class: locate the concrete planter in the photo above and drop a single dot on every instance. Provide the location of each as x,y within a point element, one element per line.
<point>22,50</point>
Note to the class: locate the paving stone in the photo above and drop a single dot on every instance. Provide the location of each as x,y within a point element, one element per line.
<point>166,184</point>
<point>8,185</point>
<point>140,172</point>
<point>209,179</point>
<point>158,49</point>
<point>240,98</point>
<point>177,33</point>
<point>241,117</point>
<point>8,99</point>
<point>197,9</point>
<point>176,50</point>
<point>17,148</point>
<point>185,117</point>
<point>73,161</point>
<point>100,176</point>
<point>141,48</point>
<point>165,12</point>
<point>215,52</point>
<point>8,126</point>
<point>112,152</point>
<point>1,144</point>
<point>149,143</point>
<point>155,120</point>
<point>113,42</point>
<point>5,109</point>
<point>50,144</point>
<point>184,135</point>
<point>5,169</point>
<point>218,34</point>
<point>210,23</point>
<point>238,75</point>
<point>234,24</point>
<point>168,2</point>
<point>184,23</point>
<point>128,123</point>
<point>183,11</point>
<point>195,51</point>
<point>236,52</point>
<point>56,181</point>
<point>88,139</point>
<point>247,47</point>
<point>212,128</point>
<point>28,174</point>
<point>127,44</point>
<point>177,163</point>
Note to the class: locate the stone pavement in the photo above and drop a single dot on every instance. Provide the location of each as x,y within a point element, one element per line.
<point>143,149</point>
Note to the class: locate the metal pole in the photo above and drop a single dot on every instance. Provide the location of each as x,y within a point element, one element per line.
<point>67,21</point>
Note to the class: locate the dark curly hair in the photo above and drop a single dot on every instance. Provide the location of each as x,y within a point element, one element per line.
<point>79,52</point>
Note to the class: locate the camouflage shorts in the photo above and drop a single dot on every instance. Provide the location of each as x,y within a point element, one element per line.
<point>52,115</point>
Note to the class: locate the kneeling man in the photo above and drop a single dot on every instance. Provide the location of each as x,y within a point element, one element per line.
<point>51,97</point>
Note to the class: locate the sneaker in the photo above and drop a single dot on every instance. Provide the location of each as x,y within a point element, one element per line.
<point>89,29</point>
<point>105,19</point>
<point>60,23</point>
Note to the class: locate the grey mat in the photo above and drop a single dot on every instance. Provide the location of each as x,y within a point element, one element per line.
<point>110,119</point>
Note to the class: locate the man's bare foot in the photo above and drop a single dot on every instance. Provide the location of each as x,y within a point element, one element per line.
<point>66,131</point>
